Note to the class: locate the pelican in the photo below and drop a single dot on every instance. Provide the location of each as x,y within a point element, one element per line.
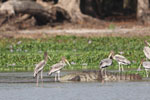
<point>146,65</point>
<point>57,67</point>
<point>105,63</point>
<point>120,59</point>
<point>146,50</point>
<point>39,68</point>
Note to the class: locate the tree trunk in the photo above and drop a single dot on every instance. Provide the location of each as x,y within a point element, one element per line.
<point>143,13</point>
<point>74,10</point>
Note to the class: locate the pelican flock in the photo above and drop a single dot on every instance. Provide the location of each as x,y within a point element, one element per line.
<point>39,68</point>
<point>57,67</point>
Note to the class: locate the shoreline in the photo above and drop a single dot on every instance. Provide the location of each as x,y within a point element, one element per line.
<point>48,32</point>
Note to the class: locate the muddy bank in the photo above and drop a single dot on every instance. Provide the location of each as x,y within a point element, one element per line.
<point>45,33</point>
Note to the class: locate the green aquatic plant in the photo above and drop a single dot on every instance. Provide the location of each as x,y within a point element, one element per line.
<point>86,53</point>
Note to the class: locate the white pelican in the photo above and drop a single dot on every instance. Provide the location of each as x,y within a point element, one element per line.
<point>57,67</point>
<point>39,67</point>
<point>105,63</point>
<point>146,65</point>
<point>121,60</point>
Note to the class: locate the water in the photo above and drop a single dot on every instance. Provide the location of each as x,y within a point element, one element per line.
<point>139,90</point>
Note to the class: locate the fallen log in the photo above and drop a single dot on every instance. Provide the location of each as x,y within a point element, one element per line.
<point>45,13</point>
<point>40,13</point>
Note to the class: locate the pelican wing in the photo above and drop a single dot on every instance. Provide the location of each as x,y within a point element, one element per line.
<point>146,64</point>
<point>121,59</point>
<point>39,67</point>
<point>56,67</point>
<point>146,51</point>
<point>105,62</point>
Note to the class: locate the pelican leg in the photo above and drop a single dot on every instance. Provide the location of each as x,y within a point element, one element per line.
<point>42,76</point>
<point>58,75</point>
<point>146,72</point>
<point>119,67</point>
<point>37,80</point>
<point>105,72</point>
<point>102,70</point>
<point>122,68</point>
<point>55,77</point>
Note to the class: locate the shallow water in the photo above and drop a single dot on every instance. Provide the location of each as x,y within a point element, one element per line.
<point>139,90</point>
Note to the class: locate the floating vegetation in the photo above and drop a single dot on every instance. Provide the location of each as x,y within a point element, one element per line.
<point>22,54</point>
